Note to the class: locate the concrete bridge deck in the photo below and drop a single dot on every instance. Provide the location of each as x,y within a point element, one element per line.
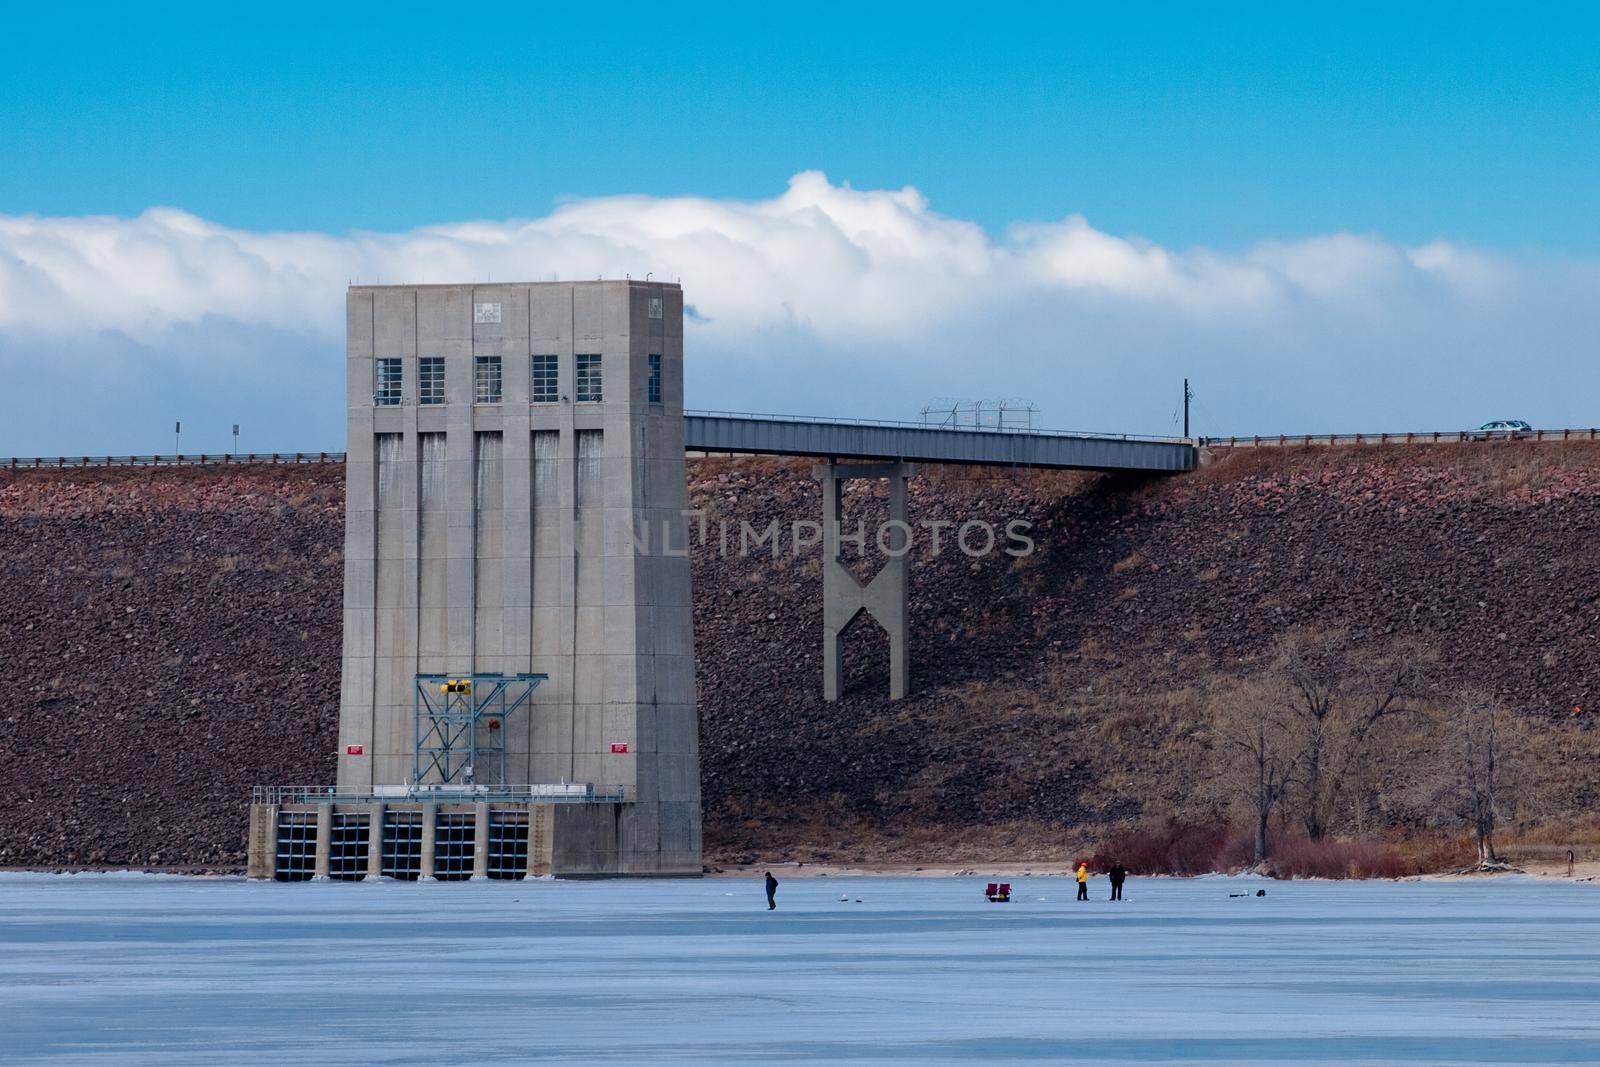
<point>788,435</point>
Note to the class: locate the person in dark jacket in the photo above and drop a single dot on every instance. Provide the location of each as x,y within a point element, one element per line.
<point>1118,874</point>
<point>772,892</point>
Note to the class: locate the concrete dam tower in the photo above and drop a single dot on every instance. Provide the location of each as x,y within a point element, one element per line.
<point>518,663</point>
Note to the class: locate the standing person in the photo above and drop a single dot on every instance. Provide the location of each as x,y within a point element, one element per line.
<point>1083,881</point>
<point>772,892</point>
<point>1118,874</point>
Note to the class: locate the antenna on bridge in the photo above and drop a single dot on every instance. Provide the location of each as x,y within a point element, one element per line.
<point>1188,394</point>
<point>1004,414</point>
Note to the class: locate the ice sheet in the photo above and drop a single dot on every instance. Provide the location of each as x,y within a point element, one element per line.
<point>147,969</point>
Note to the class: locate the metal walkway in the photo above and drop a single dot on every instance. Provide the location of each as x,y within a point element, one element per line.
<point>790,435</point>
<point>785,435</point>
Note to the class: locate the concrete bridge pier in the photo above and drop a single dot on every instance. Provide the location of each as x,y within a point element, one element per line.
<point>324,854</point>
<point>375,841</point>
<point>480,842</point>
<point>884,597</point>
<point>263,854</point>
<point>430,825</point>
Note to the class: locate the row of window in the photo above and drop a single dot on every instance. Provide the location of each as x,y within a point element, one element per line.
<point>488,380</point>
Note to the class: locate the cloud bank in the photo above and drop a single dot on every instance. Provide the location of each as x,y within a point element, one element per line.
<point>879,298</point>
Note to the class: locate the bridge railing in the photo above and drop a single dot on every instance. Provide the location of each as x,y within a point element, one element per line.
<point>1260,441</point>
<point>548,793</point>
<point>203,459</point>
<point>1009,431</point>
<point>1435,437</point>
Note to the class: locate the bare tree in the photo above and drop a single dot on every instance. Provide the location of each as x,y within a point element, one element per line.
<point>1255,730</point>
<point>1337,706</point>
<point>1480,736</point>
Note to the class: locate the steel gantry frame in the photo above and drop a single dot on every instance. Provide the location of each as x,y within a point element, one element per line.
<point>452,713</point>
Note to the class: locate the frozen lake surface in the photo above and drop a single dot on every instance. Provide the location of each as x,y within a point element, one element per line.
<point>161,970</point>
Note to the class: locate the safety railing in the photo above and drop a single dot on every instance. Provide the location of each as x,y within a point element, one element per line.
<point>1435,437</point>
<point>201,460</point>
<point>1258,441</point>
<point>906,425</point>
<point>545,793</point>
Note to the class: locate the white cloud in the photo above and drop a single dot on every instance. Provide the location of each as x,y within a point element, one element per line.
<point>837,261</point>
<point>885,301</point>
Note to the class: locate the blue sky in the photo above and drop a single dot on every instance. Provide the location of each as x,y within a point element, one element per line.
<point>1199,129</point>
<point>1184,123</point>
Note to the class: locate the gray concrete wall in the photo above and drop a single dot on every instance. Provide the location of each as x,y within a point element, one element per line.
<point>521,536</point>
<point>262,852</point>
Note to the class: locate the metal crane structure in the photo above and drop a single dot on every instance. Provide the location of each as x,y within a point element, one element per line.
<point>459,726</point>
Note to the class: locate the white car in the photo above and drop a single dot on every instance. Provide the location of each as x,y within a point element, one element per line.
<point>1502,428</point>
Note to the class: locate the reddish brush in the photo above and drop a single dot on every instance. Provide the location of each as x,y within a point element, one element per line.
<point>1180,848</point>
<point>1172,848</point>
<point>1299,857</point>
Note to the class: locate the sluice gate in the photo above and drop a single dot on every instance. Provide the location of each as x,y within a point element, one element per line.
<point>302,834</point>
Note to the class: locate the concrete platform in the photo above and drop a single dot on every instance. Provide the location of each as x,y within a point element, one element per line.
<point>414,840</point>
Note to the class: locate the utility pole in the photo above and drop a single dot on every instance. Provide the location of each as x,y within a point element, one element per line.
<point>177,436</point>
<point>236,440</point>
<point>1187,394</point>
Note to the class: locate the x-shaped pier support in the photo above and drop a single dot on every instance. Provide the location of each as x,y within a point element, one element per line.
<point>884,597</point>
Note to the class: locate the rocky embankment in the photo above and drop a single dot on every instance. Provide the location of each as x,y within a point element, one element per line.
<point>172,637</point>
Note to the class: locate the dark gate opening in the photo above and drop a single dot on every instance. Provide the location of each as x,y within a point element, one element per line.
<point>297,846</point>
<point>454,836</point>
<point>402,845</point>
<point>347,851</point>
<point>508,845</point>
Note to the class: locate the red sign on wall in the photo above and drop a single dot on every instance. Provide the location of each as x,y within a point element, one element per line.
<point>354,750</point>
<point>618,747</point>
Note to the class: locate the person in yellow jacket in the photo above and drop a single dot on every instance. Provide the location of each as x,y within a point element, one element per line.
<point>1083,881</point>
